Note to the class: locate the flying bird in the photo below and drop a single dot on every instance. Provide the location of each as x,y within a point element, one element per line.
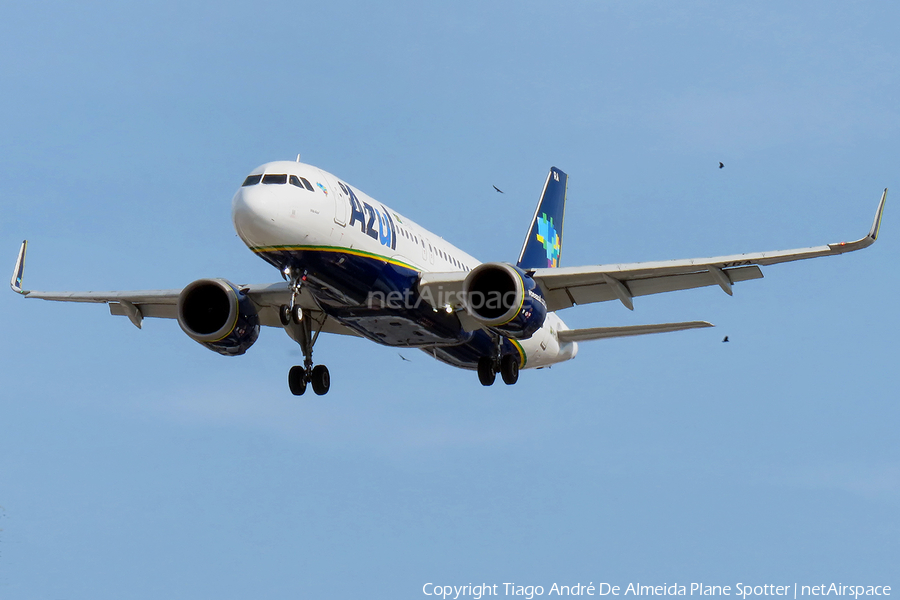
<point>721,165</point>
<point>725,339</point>
<point>498,189</point>
<point>403,357</point>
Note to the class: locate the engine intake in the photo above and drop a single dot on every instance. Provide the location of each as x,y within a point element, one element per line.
<point>504,299</point>
<point>216,314</point>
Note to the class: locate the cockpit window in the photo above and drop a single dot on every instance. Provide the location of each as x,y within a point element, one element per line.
<point>274,179</point>
<point>251,180</point>
<point>301,182</point>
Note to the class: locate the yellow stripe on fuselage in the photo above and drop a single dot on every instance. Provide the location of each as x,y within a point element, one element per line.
<point>336,249</point>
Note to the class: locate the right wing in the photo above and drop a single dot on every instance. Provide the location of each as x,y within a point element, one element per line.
<point>164,303</point>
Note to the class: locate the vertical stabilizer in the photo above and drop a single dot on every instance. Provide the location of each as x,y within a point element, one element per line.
<point>543,244</point>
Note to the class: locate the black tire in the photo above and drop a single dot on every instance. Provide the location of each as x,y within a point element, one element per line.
<point>321,380</point>
<point>509,369</point>
<point>486,373</point>
<point>284,314</point>
<point>297,380</point>
<point>297,314</point>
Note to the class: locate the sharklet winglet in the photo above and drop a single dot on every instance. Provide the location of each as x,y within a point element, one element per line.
<point>16,281</point>
<point>876,225</point>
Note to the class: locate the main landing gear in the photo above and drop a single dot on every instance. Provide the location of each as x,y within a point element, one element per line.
<point>300,327</point>
<point>508,366</point>
<point>299,377</point>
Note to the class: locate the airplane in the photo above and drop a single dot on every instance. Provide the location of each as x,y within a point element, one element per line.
<point>353,266</point>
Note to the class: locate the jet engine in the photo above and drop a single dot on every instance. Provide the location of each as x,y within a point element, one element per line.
<point>505,300</point>
<point>218,315</point>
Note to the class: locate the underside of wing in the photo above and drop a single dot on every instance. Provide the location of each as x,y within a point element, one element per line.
<point>568,286</point>
<point>140,304</point>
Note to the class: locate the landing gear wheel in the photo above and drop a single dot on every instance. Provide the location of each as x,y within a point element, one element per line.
<point>297,314</point>
<point>486,373</point>
<point>297,380</point>
<point>509,369</point>
<point>284,314</point>
<point>321,380</point>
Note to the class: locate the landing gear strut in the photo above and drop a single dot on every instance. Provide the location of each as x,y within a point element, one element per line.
<point>301,330</point>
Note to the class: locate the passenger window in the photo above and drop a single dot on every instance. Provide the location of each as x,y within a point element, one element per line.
<point>275,179</point>
<point>294,180</point>
<point>251,180</point>
<point>307,184</point>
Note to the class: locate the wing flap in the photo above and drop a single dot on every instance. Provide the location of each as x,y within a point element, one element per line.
<point>585,293</point>
<point>158,311</point>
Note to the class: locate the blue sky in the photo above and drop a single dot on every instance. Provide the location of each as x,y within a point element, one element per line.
<point>137,464</point>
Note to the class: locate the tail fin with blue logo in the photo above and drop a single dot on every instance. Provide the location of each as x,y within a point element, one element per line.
<point>543,243</point>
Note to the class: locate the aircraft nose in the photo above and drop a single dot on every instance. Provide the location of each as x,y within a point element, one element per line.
<point>254,216</point>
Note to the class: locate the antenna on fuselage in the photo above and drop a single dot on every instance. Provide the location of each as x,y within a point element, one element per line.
<point>298,158</point>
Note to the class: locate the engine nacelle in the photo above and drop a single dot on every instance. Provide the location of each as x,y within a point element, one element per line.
<point>504,299</point>
<point>215,313</point>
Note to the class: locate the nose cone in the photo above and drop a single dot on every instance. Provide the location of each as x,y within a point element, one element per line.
<point>255,216</point>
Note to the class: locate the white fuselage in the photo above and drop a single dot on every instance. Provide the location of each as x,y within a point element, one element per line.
<point>279,215</point>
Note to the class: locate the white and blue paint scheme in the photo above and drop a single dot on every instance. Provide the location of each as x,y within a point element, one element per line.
<point>353,266</point>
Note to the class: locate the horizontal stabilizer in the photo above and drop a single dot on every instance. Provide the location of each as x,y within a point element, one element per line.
<point>600,333</point>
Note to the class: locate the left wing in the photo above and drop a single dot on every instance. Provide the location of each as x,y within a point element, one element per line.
<point>567,286</point>
<point>164,303</point>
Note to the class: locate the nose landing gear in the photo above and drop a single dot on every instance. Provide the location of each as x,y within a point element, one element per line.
<point>293,312</point>
<point>300,327</point>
